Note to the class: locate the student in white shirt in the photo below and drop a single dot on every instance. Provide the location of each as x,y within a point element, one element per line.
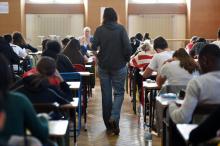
<point>200,90</point>
<point>163,54</point>
<point>18,50</point>
<point>179,70</point>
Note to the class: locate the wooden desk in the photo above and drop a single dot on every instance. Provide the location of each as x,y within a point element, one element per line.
<point>88,66</point>
<point>85,84</point>
<point>72,106</point>
<point>162,104</point>
<point>74,85</point>
<point>58,128</point>
<point>85,74</point>
<point>151,88</point>
<point>185,129</point>
<point>154,73</point>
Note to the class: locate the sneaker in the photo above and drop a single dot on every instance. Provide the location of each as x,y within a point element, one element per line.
<point>114,126</point>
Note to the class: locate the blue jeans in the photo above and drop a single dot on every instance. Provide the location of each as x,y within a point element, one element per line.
<point>112,79</point>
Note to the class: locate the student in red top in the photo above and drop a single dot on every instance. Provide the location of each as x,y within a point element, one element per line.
<point>53,80</point>
<point>140,61</point>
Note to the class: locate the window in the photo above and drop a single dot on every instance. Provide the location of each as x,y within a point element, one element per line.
<point>4,8</point>
<point>55,1</point>
<point>156,1</point>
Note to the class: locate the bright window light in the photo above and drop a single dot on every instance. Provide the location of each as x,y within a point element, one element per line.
<point>69,1</point>
<point>156,1</point>
<point>55,1</point>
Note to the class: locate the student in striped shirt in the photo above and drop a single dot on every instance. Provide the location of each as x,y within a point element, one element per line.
<point>140,61</point>
<point>143,56</point>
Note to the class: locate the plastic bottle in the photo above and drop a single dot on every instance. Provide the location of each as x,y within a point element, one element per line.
<point>147,136</point>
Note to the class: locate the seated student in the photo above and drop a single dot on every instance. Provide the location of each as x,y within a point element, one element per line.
<point>206,130</point>
<point>140,61</point>
<point>44,44</point>
<point>65,41</point>
<point>217,42</point>
<point>147,37</point>
<point>72,51</point>
<point>191,43</point>
<point>142,57</point>
<point>163,54</point>
<point>194,52</point>
<point>86,39</point>
<point>18,50</point>
<point>8,52</point>
<point>19,40</point>
<point>179,70</point>
<point>45,85</point>
<point>20,114</point>
<point>134,44</point>
<point>63,63</point>
<point>200,90</point>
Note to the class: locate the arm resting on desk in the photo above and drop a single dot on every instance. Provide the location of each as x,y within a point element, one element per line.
<point>160,80</point>
<point>184,113</point>
<point>147,72</point>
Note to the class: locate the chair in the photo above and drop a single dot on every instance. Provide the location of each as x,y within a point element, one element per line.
<point>203,110</point>
<point>74,76</point>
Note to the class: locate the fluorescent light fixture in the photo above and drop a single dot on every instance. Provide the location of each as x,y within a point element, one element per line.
<point>156,1</point>
<point>55,1</point>
<point>40,1</point>
<point>4,8</point>
<point>68,1</point>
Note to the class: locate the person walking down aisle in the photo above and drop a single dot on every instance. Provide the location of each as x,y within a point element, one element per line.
<point>114,53</point>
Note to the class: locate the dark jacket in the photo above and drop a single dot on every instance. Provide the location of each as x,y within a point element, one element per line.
<point>39,91</point>
<point>115,49</point>
<point>62,61</point>
<point>28,46</point>
<point>64,64</point>
<point>7,51</point>
<point>75,56</point>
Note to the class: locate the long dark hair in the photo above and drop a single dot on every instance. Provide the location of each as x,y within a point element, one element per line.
<point>18,39</point>
<point>6,76</point>
<point>53,49</point>
<point>186,61</point>
<point>109,16</point>
<point>72,51</point>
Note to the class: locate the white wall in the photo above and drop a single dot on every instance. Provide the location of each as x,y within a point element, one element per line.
<point>170,26</point>
<point>53,24</point>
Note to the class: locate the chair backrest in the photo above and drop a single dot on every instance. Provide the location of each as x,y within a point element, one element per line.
<point>205,109</point>
<point>79,67</point>
<point>71,76</point>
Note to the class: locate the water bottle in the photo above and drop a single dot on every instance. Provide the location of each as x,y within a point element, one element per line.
<point>147,136</point>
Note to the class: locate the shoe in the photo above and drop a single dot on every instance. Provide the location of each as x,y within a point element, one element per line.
<point>114,126</point>
<point>109,131</point>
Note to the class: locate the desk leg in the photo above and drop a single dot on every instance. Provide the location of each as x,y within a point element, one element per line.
<point>145,106</point>
<point>134,95</point>
<point>150,108</point>
<point>153,106</point>
<point>85,103</point>
<point>74,126</point>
